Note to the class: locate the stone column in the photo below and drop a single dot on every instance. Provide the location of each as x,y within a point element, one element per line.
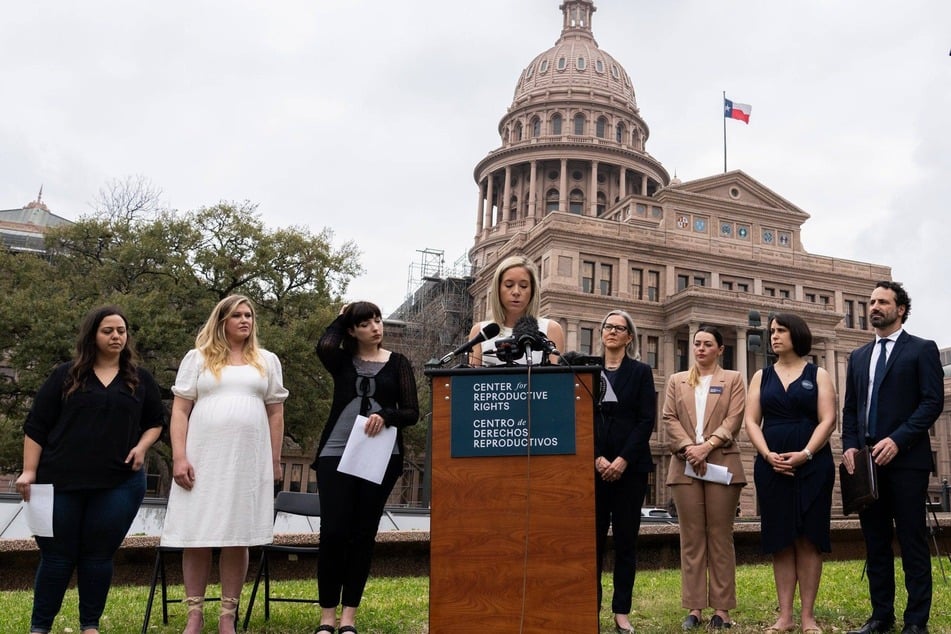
<point>593,191</point>
<point>507,194</point>
<point>480,209</point>
<point>622,185</point>
<point>742,353</point>
<point>532,191</point>
<point>489,202</point>
<point>563,186</point>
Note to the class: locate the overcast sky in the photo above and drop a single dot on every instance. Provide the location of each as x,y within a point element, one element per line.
<point>368,116</point>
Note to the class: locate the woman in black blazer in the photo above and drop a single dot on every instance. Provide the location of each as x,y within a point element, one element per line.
<point>623,427</point>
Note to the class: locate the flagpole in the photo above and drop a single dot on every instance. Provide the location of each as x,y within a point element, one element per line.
<point>723,116</point>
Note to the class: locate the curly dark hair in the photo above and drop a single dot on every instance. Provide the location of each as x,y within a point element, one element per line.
<point>901,296</point>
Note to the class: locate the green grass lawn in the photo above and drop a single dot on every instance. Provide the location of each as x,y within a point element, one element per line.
<point>399,605</point>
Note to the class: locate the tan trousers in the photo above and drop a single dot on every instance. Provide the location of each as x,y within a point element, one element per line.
<point>706,512</point>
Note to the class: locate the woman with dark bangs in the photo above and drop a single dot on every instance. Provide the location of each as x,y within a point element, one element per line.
<point>87,434</point>
<point>372,382</point>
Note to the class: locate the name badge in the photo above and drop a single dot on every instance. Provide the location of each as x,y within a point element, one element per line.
<point>716,389</point>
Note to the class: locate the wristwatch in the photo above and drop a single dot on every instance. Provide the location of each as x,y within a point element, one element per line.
<point>808,454</point>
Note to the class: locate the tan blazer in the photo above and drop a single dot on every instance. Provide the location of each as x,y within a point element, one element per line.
<point>726,403</point>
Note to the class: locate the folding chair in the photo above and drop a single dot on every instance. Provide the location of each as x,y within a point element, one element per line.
<point>303,504</point>
<point>158,574</point>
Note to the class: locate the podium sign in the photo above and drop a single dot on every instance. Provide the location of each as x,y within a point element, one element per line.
<point>493,416</point>
<point>512,535</point>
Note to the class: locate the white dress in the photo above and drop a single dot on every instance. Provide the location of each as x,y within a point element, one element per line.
<point>488,347</point>
<point>229,446</point>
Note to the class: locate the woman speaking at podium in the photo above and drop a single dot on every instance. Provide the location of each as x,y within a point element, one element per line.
<point>512,296</point>
<point>623,427</point>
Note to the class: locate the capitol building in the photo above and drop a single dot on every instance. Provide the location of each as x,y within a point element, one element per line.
<point>573,187</point>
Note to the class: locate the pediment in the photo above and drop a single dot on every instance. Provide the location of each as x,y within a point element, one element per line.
<point>738,188</point>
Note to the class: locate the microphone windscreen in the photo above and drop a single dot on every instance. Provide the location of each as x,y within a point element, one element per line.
<point>526,326</point>
<point>490,330</point>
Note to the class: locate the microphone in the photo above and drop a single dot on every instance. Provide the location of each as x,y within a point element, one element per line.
<point>525,333</point>
<point>488,331</point>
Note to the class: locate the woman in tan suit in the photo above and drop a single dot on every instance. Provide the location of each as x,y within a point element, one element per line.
<point>703,411</point>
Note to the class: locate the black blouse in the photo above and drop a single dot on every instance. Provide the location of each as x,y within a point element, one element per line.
<point>87,436</point>
<point>395,384</point>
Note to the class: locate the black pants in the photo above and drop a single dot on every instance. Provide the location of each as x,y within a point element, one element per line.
<point>618,504</point>
<point>350,512</point>
<point>900,509</point>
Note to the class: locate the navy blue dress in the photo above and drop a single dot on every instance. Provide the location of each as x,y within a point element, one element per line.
<point>801,505</point>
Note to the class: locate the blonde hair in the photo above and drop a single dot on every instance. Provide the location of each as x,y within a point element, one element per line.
<point>213,344</point>
<point>693,376</point>
<point>495,304</point>
<point>631,348</point>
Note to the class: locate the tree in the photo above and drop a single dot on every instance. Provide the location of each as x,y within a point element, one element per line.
<point>168,270</point>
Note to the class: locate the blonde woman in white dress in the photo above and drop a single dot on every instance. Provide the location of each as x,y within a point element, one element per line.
<point>227,428</point>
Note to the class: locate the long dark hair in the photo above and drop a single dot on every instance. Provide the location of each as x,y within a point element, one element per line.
<point>86,352</point>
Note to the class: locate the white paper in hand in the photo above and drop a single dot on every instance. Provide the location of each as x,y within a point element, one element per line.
<point>715,473</point>
<point>366,457</point>
<point>39,510</point>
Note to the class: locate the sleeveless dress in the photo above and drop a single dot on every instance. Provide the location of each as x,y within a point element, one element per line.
<point>801,505</point>
<point>229,445</point>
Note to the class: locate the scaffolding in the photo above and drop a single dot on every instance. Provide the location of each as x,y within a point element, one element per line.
<point>437,309</point>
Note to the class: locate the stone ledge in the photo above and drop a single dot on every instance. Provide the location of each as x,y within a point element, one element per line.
<point>406,553</point>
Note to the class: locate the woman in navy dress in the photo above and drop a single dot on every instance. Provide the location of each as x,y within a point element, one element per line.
<point>790,414</point>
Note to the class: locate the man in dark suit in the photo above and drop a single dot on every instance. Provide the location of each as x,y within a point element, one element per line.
<point>890,404</point>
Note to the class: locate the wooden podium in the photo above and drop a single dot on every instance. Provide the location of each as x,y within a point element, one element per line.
<point>512,537</point>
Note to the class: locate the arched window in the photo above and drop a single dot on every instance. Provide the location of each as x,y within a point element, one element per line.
<point>556,125</point>
<point>619,134</point>
<point>536,127</point>
<point>579,123</point>
<point>601,127</point>
<point>580,63</point>
<point>518,131</point>
<point>513,207</point>
<point>551,200</point>
<point>602,203</point>
<point>576,202</point>
<point>562,63</point>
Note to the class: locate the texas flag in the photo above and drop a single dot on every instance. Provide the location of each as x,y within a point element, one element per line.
<point>740,111</point>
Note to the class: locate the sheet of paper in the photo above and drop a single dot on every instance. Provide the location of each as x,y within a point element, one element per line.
<point>367,457</point>
<point>39,510</point>
<point>715,473</point>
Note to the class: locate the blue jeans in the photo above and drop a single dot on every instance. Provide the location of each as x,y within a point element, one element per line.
<point>88,528</point>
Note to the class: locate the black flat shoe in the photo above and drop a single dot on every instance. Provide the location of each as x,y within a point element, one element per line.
<point>347,628</point>
<point>717,623</point>
<point>324,628</point>
<point>690,623</point>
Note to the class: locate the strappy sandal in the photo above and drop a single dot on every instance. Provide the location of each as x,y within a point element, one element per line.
<point>347,628</point>
<point>196,604</point>
<point>232,611</point>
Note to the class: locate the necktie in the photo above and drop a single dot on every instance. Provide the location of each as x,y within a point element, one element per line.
<point>876,382</point>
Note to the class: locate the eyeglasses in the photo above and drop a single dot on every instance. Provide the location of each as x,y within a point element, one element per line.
<point>611,327</point>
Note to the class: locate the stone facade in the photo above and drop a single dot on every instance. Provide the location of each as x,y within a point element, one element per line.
<point>573,187</point>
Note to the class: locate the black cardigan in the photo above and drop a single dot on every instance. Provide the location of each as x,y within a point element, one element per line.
<point>395,385</point>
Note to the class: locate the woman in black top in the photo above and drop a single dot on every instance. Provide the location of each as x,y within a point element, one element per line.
<point>373,382</point>
<point>622,455</point>
<point>87,434</point>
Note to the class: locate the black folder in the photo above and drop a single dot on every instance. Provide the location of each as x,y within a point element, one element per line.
<point>860,488</point>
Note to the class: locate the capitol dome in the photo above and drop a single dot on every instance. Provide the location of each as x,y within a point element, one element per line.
<point>576,61</point>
